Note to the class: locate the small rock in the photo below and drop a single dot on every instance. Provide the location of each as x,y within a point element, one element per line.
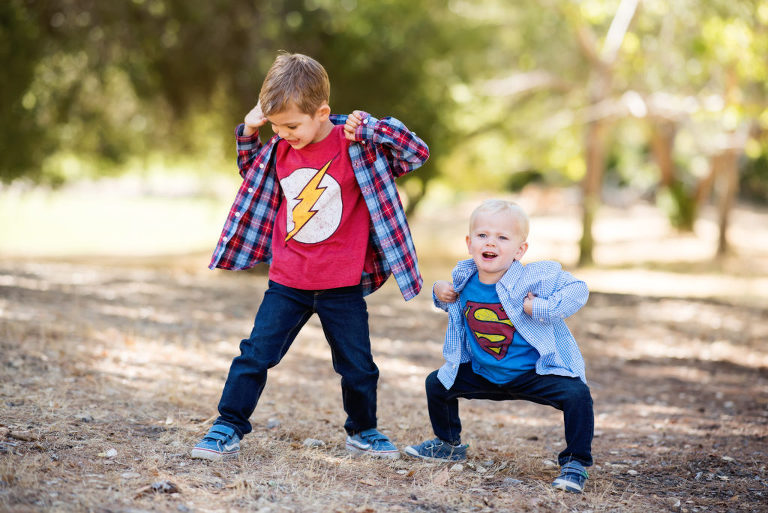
<point>312,442</point>
<point>24,436</point>
<point>158,487</point>
<point>111,453</point>
<point>272,423</point>
<point>165,487</point>
<point>632,472</point>
<point>488,463</point>
<point>85,418</point>
<point>727,458</point>
<point>509,481</point>
<point>129,475</point>
<point>549,463</point>
<point>458,467</point>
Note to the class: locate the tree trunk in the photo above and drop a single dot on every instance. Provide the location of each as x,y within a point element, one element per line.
<point>728,186</point>
<point>592,187</point>
<point>662,144</point>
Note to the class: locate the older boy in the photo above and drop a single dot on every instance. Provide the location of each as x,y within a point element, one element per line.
<point>318,202</point>
<point>507,339</point>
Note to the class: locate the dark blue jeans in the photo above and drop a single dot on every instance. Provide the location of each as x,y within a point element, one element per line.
<point>283,311</point>
<point>570,395</point>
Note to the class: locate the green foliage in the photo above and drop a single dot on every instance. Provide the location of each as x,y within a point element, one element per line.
<point>496,88</point>
<point>23,142</point>
<point>754,179</point>
<point>679,203</point>
<point>108,81</point>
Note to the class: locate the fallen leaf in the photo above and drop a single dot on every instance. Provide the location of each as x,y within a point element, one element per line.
<point>441,478</point>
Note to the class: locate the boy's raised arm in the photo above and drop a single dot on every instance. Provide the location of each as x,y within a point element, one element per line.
<point>407,151</point>
<point>248,142</point>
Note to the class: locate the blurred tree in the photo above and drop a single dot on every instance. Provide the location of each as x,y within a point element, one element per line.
<point>110,80</point>
<point>22,138</point>
<point>568,71</point>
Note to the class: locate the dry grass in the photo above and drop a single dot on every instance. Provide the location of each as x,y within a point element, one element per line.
<point>109,373</point>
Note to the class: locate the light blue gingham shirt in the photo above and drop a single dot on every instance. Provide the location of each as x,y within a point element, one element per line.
<point>558,295</point>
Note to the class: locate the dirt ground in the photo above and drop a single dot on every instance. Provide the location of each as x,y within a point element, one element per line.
<point>110,371</point>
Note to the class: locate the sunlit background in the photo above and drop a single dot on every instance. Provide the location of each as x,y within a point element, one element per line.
<point>633,131</point>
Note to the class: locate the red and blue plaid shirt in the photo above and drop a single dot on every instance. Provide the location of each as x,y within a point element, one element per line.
<point>386,150</point>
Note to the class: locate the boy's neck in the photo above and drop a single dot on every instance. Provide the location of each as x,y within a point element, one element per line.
<point>492,278</point>
<point>324,132</point>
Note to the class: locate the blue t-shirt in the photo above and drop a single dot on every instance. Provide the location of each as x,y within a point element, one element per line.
<point>499,353</point>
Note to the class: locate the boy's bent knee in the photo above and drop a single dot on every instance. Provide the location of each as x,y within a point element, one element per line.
<point>579,392</point>
<point>434,386</point>
<point>432,380</point>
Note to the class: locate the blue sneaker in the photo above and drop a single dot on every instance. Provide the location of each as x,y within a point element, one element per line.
<point>437,450</point>
<point>572,477</point>
<point>372,443</point>
<point>220,442</point>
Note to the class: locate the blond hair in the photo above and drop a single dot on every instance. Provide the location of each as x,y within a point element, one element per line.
<point>495,206</point>
<point>294,78</point>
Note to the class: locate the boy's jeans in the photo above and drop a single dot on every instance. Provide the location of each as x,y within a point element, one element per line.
<point>283,311</point>
<point>570,395</point>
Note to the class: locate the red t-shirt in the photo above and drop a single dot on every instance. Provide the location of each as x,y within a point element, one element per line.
<point>320,240</point>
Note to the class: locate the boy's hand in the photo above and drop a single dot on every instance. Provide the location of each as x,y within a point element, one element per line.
<point>253,120</point>
<point>528,303</point>
<point>444,292</point>
<point>354,120</point>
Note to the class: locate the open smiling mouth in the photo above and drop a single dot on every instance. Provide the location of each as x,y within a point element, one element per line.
<point>489,254</point>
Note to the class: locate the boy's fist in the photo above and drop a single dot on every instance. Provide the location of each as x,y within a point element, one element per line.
<point>444,292</point>
<point>254,119</point>
<point>528,303</point>
<point>354,120</point>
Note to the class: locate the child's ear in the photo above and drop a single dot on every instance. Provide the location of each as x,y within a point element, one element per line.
<point>521,251</point>
<point>323,112</point>
<point>469,244</point>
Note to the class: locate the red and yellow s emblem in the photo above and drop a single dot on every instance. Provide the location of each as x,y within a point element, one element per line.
<point>490,326</point>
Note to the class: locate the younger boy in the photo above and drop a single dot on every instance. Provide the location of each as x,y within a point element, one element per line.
<point>507,339</point>
<point>318,202</point>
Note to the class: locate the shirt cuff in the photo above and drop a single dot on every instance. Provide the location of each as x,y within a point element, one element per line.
<point>245,138</point>
<point>366,128</point>
<point>540,311</point>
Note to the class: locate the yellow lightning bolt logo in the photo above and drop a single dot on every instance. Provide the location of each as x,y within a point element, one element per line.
<point>303,211</point>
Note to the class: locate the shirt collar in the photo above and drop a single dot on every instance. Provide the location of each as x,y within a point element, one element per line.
<point>466,268</point>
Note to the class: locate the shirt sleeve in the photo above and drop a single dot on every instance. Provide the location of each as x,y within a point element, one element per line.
<point>569,295</point>
<point>439,304</point>
<point>248,147</point>
<point>405,150</point>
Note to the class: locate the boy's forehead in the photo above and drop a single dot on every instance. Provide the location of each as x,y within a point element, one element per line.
<point>291,114</point>
<point>503,219</point>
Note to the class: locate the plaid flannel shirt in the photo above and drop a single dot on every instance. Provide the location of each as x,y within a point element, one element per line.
<point>386,150</point>
<point>558,295</point>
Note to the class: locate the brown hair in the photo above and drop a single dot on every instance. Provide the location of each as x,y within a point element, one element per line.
<point>295,78</point>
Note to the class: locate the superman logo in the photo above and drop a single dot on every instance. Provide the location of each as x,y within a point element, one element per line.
<point>490,326</point>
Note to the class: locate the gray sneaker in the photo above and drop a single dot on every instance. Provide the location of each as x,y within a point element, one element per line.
<point>437,450</point>
<point>572,477</point>
<point>221,442</point>
<point>372,443</point>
